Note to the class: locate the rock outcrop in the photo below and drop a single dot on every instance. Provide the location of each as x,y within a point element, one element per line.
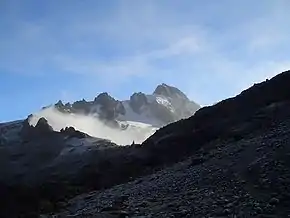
<point>109,108</point>
<point>42,128</point>
<point>137,101</point>
<point>169,91</point>
<point>72,133</point>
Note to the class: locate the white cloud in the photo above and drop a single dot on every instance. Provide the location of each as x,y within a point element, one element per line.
<point>135,65</point>
<point>91,125</point>
<point>139,35</point>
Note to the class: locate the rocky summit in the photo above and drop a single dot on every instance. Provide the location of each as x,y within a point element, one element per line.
<point>227,160</point>
<point>124,121</point>
<point>165,105</point>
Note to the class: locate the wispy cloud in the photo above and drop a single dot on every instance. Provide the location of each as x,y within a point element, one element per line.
<point>139,64</point>
<point>210,51</point>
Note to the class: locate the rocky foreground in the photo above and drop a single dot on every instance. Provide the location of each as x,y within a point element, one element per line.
<point>229,160</point>
<point>248,177</point>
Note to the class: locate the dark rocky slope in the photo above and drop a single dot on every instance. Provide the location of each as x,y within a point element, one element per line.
<point>233,117</point>
<point>236,163</point>
<point>237,178</point>
<point>238,143</point>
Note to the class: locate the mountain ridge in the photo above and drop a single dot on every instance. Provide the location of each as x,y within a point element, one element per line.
<point>136,101</point>
<point>140,114</point>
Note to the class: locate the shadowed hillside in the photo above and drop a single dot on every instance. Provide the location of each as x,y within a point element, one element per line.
<point>241,143</point>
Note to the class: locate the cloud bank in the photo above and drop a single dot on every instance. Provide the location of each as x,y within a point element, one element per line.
<point>91,125</point>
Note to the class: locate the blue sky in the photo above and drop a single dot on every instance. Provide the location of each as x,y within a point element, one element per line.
<point>71,49</point>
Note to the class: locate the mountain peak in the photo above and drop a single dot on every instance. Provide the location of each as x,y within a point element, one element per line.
<point>137,117</point>
<point>105,100</point>
<point>169,91</point>
<point>59,103</point>
<point>137,100</point>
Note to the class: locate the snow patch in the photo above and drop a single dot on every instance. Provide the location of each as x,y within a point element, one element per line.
<point>144,117</point>
<point>91,125</point>
<point>165,102</point>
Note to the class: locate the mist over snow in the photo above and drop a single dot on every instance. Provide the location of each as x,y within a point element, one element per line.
<point>91,125</point>
<point>121,122</point>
